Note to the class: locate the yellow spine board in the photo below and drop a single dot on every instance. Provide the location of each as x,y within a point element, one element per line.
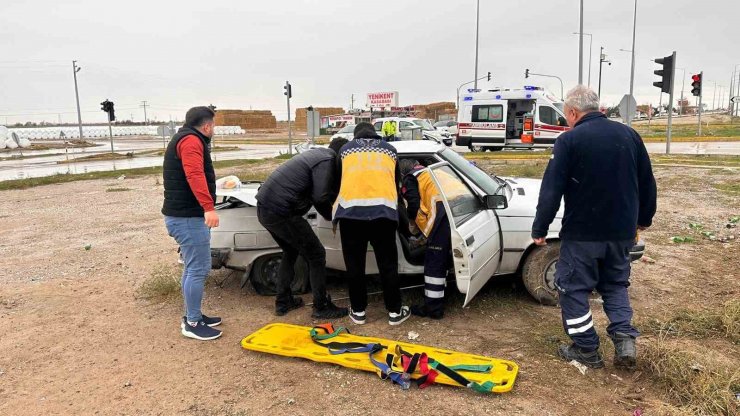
<point>295,341</point>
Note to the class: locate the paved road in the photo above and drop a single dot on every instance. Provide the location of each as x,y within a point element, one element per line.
<point>697,148</point>
<point>45,166</point>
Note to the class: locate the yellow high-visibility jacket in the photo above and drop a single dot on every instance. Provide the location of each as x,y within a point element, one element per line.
<point>389,128</point>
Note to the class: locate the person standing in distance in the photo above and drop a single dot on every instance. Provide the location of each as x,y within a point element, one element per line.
<point>308,179</point>
<point>367,212</point>
<point>602,170</point>
<point>189,213</point>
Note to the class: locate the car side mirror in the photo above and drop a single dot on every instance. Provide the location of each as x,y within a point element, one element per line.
<point>562,121</point>
<point>496,201</point>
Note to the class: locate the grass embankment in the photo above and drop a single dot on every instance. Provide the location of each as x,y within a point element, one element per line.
<point>721,132</point>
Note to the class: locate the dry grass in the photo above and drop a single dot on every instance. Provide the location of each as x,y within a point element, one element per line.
<point>697,386</point>
<point>117,189</point>
<point>723,322</point>
<point>163,283</point>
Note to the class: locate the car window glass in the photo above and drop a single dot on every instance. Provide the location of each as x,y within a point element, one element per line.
<point>548,115</point>
<point>463,202</point>
<point>488,113</point>
<point>378,125</point>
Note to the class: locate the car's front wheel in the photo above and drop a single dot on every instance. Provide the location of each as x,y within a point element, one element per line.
<point>538,273</point>
<point>264,275</point>
<point>477,148</point>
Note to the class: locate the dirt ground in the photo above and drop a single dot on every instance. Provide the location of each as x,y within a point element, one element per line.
<point>77,339</point>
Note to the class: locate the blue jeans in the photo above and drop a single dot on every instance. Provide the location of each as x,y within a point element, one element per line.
<point>194,239</point>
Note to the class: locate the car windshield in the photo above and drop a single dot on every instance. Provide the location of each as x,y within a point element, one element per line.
<point>440,124</point>
<point>483,180</point>
<point>423,123</point>
<point>348,129</point>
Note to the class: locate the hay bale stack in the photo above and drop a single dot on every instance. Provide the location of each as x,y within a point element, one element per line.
<point>246,119</point>
<point>301,115</point>
<point>434,110</point>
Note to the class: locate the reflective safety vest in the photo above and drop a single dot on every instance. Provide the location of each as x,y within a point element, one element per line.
<point>430,195</point>
<point>389,128</point>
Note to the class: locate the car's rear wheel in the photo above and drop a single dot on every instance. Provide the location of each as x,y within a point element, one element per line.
<point>538,273</point>
<point>477,148</point>
<point>265,272</point>
<point>496,149</point>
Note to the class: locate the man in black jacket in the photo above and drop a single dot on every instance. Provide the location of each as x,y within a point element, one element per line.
<point>602,170</point>
<point>308,179</point>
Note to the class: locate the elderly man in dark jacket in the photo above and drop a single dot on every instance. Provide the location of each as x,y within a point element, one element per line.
<point>602,170</point>
<point>308,179</point>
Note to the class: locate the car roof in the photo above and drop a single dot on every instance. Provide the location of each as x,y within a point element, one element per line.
<point>417,146</point>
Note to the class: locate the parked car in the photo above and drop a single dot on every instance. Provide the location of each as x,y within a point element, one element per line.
<point>346,132</point>
<point>490,231</point>
<point>405,124</point>
<point>445,125</point>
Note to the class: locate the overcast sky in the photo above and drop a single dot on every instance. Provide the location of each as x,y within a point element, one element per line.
<point>238,54</point>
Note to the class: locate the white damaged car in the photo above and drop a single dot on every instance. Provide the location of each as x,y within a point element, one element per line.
<point>490,230</point>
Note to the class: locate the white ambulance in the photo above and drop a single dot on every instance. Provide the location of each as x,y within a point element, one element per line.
<point>509,118</point>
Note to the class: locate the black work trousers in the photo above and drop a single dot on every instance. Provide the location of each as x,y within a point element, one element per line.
<point>381,234</point>
<point>295,236</point>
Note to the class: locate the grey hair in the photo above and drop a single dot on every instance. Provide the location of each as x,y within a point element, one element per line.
<point>582,99</point>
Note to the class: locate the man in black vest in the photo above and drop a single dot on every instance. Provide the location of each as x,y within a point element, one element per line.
<point>308,179</point>
<point>189,198</point>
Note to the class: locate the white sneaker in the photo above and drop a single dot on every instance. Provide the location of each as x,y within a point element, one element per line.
<point>357,317</point>
<point>398,318</point>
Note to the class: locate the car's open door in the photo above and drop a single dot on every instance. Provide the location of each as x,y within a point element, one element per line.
<point>476,240</point>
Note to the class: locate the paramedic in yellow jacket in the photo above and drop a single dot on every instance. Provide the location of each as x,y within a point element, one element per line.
<point>367,212</point>
<point>389,130</point>
<point>425,207</point>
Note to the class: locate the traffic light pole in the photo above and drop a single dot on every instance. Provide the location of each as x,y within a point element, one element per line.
<point>701,93</point>
<point>110,132</point>
<point>290,133</point>
<point>670,106</point>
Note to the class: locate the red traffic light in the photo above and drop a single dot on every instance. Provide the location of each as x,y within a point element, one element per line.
<point>696,78</point>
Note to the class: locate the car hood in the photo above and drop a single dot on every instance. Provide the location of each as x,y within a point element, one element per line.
<point>247,193</point>
<point>523,202</point>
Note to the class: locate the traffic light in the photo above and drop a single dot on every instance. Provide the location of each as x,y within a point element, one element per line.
<point>288,90</point>
<point>666,73</point>
<point>696,85</point>
<point>212,107</point>
<point>107,106</point>
<point>489,75</point>
<point>526,73</point>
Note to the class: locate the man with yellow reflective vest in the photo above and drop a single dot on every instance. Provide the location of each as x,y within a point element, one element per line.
<point>425,206</point>
<point>389,130</point>
<point>367,212</point>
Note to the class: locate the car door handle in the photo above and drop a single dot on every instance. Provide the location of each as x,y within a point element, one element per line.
<point>469,242</point>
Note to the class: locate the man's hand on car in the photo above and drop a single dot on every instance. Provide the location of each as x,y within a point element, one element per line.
<point>540,241</point>
<point>211,219</point>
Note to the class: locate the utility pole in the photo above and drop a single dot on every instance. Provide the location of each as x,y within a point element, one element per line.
<point>477,26</point>
<point>352,102</point>
<point>602,59</point>
<point>143,104</point>
<point>714,93</point>
<point>75,70</point>
<point>632,73</point>
<point>580,49</point>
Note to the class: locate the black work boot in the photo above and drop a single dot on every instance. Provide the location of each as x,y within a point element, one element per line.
<point>424,312</point>
<point>625,350</point>
<point>328,310</point>
<point>284,307</point>
<point>591,359</point>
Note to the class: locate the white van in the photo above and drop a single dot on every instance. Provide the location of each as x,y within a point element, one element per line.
<point>509,118</point>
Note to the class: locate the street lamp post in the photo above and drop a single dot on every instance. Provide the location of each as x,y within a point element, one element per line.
<point>632,73</point>
<point>477,26</point>
<point>683,84</point>
<point>590,47</point>
<point>580,48</point>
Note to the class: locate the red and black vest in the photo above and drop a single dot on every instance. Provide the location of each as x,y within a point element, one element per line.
<point>179,199</point>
